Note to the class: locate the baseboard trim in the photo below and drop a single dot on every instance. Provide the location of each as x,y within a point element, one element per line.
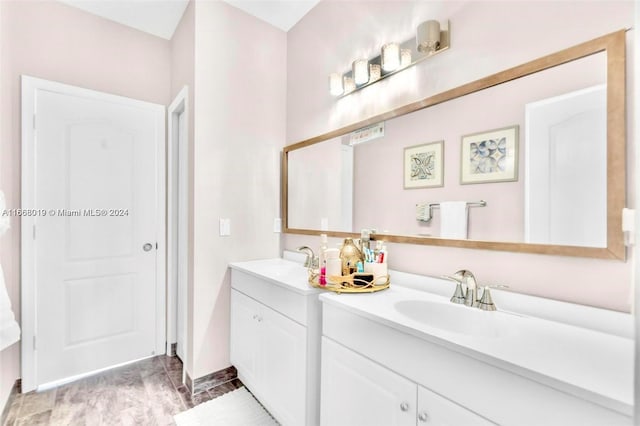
<point>212,380</point>
<point>15,390</point>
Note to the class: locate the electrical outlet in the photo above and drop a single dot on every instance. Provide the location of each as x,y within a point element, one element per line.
<point>324,224</point>
<point>225,227</point>
<point>277,225</point>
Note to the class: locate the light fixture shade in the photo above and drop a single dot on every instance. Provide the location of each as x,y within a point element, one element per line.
<point>360,70</point>
<point>390,57</point>
<point>428,36</point>
<point>374,72</point>
<point>405,57</point>
<point>348,84</point>
<point>335,84</point>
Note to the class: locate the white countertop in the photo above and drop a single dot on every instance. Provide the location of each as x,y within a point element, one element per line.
<point>588,363</point>
<point>575,357</point>
<point>284,273</point>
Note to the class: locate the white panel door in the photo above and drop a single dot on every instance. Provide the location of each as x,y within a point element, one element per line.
<point>96,174</point>
<point>357,391</point>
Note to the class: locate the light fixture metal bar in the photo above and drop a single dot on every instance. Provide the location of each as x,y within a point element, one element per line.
<point>416,57</point>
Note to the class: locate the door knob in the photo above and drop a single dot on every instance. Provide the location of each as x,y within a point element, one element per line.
<point>147,247</point>
<point>404,406</point>
<point>423,417</point>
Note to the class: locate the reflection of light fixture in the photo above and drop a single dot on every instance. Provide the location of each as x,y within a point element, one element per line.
<point>360,69</point>
<point>390,57</point>
<point>428,36</point>
<point>432,37</point>
<point>374,72</point>
<point>335,84</point>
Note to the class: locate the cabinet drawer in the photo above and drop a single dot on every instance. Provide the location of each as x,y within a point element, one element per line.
<point>291,304</point>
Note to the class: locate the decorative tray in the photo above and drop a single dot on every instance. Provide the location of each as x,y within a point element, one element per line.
<point>351,283</point>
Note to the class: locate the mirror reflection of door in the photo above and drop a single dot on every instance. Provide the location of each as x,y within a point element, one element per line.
<point>566,188</point>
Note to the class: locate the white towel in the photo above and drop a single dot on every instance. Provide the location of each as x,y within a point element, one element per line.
<point>4,220</point>
<point>9,329</point>
<point>453,220</point>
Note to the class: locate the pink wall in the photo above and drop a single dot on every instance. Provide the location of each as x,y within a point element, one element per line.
<point>240,75</point>
<point>57,42</point>
<point>487,37</point>
<point>183,73</point>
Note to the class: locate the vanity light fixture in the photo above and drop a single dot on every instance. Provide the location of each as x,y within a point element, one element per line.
<point>335,84</point>
<point>360,69</point>
<point>390,57</point>
<point>432,37</point>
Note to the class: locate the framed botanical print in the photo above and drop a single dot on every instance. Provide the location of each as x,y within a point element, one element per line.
<point>490,156</point>
<point>424,165</point>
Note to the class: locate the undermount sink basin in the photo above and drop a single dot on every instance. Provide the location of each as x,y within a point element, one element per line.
<point>456,318</point>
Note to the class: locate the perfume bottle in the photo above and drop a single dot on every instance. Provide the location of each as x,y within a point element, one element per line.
<point>350,255</point>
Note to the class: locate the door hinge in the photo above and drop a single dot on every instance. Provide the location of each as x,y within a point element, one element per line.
<point>34,343</point>
<point>34,232</point>
<point>34,121</point>
<point>156,246</point>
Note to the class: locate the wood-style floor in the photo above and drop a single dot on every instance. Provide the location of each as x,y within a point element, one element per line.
<point>148,392</point>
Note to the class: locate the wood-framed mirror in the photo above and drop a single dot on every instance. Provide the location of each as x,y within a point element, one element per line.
<point>560,119</point>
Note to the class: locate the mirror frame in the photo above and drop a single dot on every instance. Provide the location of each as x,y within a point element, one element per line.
<point>614,44</point>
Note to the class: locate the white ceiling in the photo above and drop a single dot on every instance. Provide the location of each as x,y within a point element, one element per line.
<point>157,17</point>
<point>161,17</point>
<point>282,14</point>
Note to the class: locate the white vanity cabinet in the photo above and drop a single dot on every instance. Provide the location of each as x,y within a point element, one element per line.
<point>380,369</point>
<point>274,345</point>
<point>358,391</point>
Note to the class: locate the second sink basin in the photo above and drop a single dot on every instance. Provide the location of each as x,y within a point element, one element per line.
<point>454,318</point>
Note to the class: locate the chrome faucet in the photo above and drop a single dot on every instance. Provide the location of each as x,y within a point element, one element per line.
<point>308,263</point>
<point>470,295</point>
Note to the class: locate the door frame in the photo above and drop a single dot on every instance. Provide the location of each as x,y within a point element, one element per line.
<point>27,232</point>
<point>180,105</point>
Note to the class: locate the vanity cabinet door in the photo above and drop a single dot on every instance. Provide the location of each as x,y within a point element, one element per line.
<point>356,391</point>
<point>434,410</point>
<point>285,365</point>
<point>246,339</point>
<point>269,351</point>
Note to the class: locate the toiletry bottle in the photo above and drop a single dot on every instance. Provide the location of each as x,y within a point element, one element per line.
<point>350,256</point>
<point>322,280</point>
<point>334,265</point>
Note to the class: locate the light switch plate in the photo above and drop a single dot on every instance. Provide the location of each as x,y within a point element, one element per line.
<point>277,225</point>
<point>225,227</point>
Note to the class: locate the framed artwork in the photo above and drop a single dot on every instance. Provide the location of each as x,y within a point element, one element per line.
<point>423,165</point>
<point>490,156</point>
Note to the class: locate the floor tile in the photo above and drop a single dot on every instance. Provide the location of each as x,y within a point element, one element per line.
<point>148,392</point>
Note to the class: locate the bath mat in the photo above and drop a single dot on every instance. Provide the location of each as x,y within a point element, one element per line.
<point>236,408</point>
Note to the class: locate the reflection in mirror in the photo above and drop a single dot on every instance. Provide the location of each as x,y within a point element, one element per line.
<point>566,181</point>
<point>321,187</point>
<point>555,185</point>
<point>560,169</point>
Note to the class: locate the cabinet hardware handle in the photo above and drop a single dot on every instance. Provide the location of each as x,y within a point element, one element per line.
<point>404,406</point>
<point>423,417</point>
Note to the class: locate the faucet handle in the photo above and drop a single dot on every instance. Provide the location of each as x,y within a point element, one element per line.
<point>486,302</point>
<point>458,295</point>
